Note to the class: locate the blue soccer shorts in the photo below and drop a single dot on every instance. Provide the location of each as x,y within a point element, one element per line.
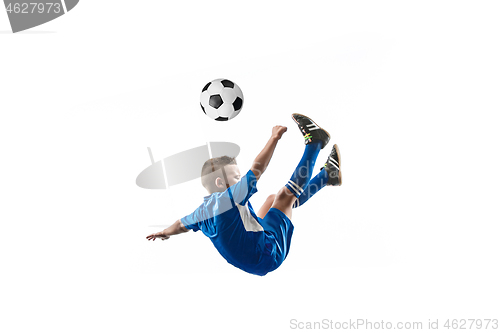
<point>279,230</point>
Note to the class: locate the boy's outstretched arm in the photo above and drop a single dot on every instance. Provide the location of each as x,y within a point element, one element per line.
<point>174,229</point>
<point>262,160</point>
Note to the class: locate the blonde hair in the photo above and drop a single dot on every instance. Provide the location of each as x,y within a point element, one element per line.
<point>208,174</point>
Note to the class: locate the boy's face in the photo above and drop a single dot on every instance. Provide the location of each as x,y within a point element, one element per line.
<point>233,176</point>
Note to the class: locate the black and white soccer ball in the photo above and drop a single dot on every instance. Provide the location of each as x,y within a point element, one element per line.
<point>221,99</point>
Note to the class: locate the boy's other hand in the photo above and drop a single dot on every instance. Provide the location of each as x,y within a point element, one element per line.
<point>160,235</point>
<point>278,131</point>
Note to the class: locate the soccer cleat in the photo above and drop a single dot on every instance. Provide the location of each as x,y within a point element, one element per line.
<point>310,130</point>
<point>332,167</point>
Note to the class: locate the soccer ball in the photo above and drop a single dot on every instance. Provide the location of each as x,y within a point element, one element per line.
<point>221,99</point>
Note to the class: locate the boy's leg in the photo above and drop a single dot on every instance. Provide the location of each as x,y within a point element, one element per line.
<point>329,175</point>
<point>317,183</point>
<point>284,201</point>
<point>316,139</point>
<point>265,207</point>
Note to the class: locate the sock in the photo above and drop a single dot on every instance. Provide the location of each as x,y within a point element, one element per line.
<point>304,169</point>
<point>316,184</point>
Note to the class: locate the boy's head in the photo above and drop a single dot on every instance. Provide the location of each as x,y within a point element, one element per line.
<point>219,173</point>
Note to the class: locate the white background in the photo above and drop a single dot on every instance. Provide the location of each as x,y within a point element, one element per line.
<point>408,90</point>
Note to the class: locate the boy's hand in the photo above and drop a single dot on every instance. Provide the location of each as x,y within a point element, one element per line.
<point>160,235</point>
<point>278,131</point>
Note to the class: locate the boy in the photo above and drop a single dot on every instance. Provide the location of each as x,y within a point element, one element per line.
<point>257,243</point>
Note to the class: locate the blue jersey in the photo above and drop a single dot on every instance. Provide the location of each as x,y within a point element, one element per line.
<point>230,222</point>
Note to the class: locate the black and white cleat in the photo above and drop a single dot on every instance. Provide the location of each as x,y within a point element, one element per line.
<point>310,130</point>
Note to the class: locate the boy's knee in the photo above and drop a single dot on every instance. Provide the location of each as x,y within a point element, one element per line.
<point>271,198</point>
<point>285,194</point>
